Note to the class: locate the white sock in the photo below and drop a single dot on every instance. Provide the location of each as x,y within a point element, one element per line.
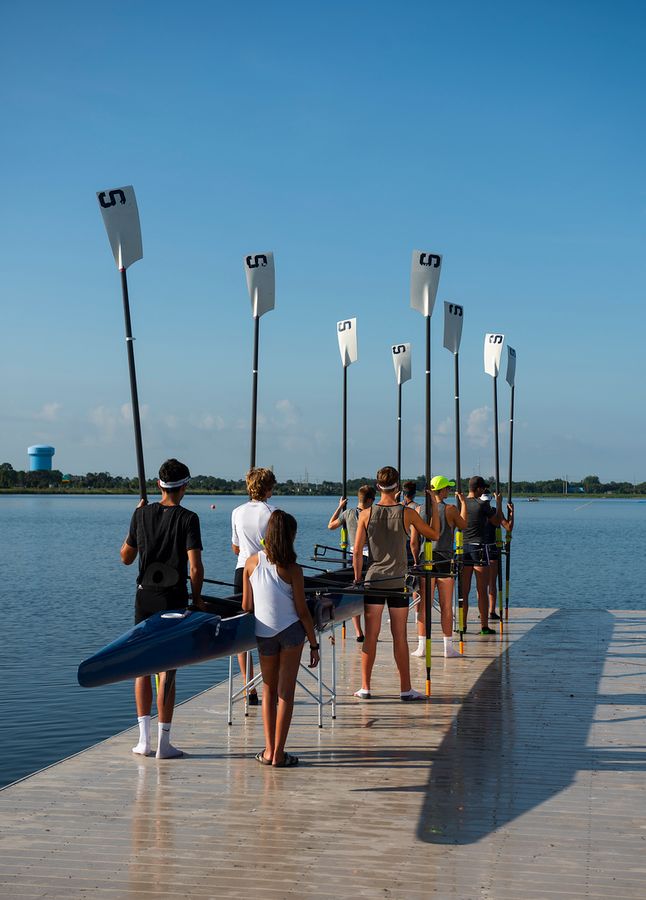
<point>421,647</point>
<point>143,747</point>
<point>449,649</point>
<point>165,749</point>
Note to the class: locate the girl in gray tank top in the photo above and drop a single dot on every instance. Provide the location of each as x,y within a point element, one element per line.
<point>385,527</point>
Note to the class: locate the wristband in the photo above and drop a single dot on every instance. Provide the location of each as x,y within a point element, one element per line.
<point>314,646</point>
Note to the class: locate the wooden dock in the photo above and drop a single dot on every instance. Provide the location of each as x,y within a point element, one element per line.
<point>524,777</point>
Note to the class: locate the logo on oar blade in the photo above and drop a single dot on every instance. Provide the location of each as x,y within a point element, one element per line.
<point>496,338</point>
<point>259,260</point>
<point>455,310</point>
<point>113,198</point>
<point>343,326</point>
<point>429,259</point>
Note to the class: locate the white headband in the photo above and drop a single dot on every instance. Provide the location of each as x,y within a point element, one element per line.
<point>387,487</point>
<point>173,485</point>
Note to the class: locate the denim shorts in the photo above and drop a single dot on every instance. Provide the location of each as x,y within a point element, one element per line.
<point>287,639</point>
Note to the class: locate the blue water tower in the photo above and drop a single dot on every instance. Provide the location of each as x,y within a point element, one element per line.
<point>40,457</point>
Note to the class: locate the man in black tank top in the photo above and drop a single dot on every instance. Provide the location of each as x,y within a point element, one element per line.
<point>167,539</point>
<point>475,555</point>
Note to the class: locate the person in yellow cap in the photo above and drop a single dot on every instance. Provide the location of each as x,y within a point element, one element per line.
<point>450,518</point>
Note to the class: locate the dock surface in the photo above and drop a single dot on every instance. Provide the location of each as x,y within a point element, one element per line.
<point>524,777</point>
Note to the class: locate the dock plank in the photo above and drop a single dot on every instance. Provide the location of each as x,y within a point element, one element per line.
<point>522,778</point>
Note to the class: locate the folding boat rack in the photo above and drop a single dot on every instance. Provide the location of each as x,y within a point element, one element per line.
<point>323,694</point>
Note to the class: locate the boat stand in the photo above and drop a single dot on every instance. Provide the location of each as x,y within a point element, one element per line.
<point>321,693</point>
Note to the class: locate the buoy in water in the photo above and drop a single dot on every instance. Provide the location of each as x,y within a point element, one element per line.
<point>213,506</point>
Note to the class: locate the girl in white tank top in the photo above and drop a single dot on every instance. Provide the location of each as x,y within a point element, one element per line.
<point>273,599</point>
<point>273,590</point>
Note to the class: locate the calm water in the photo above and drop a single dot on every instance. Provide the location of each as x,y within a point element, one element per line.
<point>65,594</point>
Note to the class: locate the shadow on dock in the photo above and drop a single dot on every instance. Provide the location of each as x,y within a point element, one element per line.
<point>521,735</point>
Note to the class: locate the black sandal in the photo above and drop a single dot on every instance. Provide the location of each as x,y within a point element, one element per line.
<point>289,761</point>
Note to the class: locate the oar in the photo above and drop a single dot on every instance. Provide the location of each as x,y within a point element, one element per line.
<point>511,378</point>
<point>453,319</point>
<point>402,362</point>
<point>261,283</point>
<point>424,279</point>
<point>492,352</point>
<point>121,219</point>
<point>347,335</point>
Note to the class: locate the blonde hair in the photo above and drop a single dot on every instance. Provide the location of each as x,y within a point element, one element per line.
<point>259,483</point>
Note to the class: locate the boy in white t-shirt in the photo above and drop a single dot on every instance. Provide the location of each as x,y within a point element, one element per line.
<point>248,525</point>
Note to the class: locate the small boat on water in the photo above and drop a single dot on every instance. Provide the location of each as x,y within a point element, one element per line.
<point>533,499</point>
<point>183,637</point>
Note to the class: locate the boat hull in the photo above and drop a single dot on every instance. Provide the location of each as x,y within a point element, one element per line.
<point>180,638</point>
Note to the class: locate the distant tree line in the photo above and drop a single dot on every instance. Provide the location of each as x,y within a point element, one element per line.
<point>101,482</point>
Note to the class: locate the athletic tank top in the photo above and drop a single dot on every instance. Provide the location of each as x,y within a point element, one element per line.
<point>273,599</point>
<point>387,545</point>
<point>444,544</point>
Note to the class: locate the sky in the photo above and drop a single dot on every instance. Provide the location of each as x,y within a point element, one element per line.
<point>507,137</point>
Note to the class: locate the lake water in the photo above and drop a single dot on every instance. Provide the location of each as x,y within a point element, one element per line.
<point>65,594</point>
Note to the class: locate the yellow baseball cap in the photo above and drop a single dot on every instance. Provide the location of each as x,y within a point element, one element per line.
<point>439,482</point>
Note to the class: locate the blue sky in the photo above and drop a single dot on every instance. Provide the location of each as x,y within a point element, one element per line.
<point>509,137</point>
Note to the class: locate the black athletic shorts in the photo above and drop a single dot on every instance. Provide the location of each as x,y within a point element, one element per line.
<point>441,564</point>
<point>237,580</point>
<point>147,603</point>
<point>397,602</point>
<point>475,555</point>
<point>493,552</point>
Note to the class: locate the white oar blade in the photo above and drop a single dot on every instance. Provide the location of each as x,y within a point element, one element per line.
<point>261,281</point>
<point>402,362</point>
<point>453,319</point>
<point>493,344</point>
<point>346,331</point>
<point>121,220</point>
<point>511,366</point>
<point>424,279</point>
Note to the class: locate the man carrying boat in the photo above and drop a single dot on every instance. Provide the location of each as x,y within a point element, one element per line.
<point>349,518</point>
<point>167,539</point>
<point>248,526</point>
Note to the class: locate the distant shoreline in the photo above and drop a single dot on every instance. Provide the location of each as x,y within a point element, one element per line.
<point>204,493</point>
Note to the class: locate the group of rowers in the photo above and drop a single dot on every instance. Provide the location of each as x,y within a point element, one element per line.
<point>386,538</point>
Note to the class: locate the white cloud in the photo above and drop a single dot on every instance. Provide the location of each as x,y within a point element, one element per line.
<point>208,422</point>
<point>479,426</point>
<point>49,412</point>
<point>289,412</point>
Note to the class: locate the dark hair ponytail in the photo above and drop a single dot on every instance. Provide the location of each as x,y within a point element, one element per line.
<point>279,538</point>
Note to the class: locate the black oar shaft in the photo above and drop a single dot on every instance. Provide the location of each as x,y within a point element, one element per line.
<point>495,430</point>
<point>458,483</point>
<point>428,597</point>
<point>139,449</point>
<point>498,528</point>
<point>254,390</point>
<point>509,500</point>
<point>458,473</point>
<point>399,429</point>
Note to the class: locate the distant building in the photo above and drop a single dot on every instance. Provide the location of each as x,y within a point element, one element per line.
<point>40,457</point>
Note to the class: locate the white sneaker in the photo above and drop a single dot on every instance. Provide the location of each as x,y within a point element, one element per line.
<point>361,694</point>
<point>407,696</point>
<point>421,651</point>
<point>450,652</point>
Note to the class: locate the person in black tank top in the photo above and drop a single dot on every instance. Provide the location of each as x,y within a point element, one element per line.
<point>384,527</point>
<point>475,557</point>
<point>167,539</point>
<point>494,554</point>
